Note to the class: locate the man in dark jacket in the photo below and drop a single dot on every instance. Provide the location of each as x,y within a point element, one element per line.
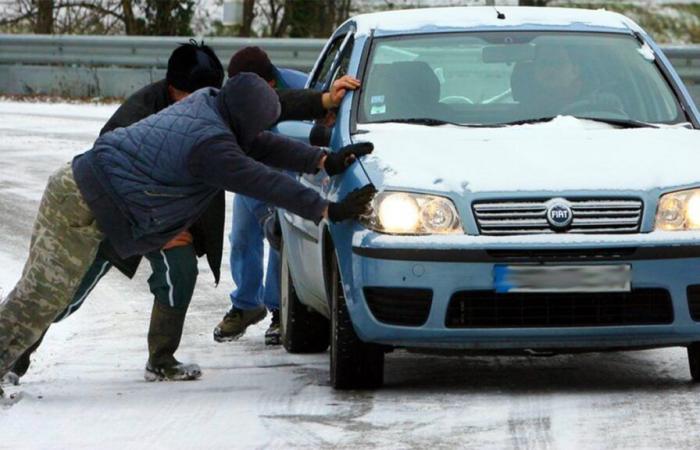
<point>140,186</point>
<point>251,297</point>
<point>174,267</point>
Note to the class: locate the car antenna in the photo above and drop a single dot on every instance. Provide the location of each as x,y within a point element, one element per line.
<point>499,14</point>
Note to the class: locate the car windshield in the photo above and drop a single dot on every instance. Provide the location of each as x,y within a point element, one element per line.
<point>498,78</point>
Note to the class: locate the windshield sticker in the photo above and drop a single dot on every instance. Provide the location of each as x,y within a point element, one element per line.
<point>378,109</point>
<point>647,52</point>
<point>377,99</point>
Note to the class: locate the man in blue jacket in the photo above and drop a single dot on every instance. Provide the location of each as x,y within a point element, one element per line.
<point>140,186</point>
<point>191,66</point>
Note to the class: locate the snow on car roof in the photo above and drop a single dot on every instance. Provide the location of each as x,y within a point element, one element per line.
<point>454,18</point>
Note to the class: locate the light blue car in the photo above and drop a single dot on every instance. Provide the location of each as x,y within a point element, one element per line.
<point>538,177</point>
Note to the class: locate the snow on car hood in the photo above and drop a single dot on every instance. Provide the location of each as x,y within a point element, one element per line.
<point>564,154</point>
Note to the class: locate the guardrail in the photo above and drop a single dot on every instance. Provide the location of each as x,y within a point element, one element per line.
<point>117,65</point>
<point>686,60</point>
<point>142,51</point>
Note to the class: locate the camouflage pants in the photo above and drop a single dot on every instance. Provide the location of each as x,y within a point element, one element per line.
<point>64,243</point>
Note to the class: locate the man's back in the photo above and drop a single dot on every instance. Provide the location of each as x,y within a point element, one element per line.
<point>141,104</point>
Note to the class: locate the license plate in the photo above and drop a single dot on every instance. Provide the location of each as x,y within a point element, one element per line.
<point>538,278</point>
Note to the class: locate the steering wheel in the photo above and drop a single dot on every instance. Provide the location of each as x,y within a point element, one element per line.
<point>453,99</point>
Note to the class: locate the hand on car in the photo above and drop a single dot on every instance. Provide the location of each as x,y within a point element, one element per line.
<point>339,88</point>
<point>337,162</point>
<point>355,204</point>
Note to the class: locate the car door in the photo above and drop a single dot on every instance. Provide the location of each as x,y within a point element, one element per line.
<point>303,239</point>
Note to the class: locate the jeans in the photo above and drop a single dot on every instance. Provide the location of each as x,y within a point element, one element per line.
<point>247,238</point>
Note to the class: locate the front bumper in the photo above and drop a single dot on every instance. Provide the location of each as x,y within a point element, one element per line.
<point>448,265</point>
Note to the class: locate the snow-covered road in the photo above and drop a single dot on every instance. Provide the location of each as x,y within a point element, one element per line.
<point>85,389</point>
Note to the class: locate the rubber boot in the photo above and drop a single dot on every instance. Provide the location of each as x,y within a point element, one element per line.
<point>163,340</point>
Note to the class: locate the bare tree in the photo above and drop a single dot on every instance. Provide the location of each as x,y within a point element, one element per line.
<point>44,17</point>
<point>154,17</point>
<point>274,12</point>
<point>131,26</point>
<point>248,16</point>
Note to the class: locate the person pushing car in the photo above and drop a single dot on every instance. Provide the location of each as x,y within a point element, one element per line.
<point>252,296</point>
<point>140,186</point>
<point>191,66</point>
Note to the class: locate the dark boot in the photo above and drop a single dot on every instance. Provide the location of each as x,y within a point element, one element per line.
<point>272,335</point>
<point>163,340</point>
<point>236,321</point>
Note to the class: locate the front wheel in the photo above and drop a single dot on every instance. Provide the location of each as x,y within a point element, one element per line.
<point>302,330</point>
<point>354,364</point>
<point>694,361</point>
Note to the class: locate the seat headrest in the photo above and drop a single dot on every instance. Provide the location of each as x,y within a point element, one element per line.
<point>407,87</point>
<point>522,81</point>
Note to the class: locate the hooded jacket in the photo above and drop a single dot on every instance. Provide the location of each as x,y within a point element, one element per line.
<point>149,181</point>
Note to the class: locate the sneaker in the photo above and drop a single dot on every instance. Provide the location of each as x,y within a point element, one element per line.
<point>272,335</point>
<point>10,378</point>
<point>236,321</point>
<point>176,372</point>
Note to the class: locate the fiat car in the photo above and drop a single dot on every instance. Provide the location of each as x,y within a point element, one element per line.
<point>538,191</point>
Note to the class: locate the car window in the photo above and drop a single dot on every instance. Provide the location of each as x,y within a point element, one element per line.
<point>322,74</point>
<point>502,77</point>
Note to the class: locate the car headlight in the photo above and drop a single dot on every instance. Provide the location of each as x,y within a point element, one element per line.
<point>679,211</point>
<point>406,213</point>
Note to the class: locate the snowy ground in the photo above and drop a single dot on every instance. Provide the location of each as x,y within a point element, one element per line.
<point>85,389</point>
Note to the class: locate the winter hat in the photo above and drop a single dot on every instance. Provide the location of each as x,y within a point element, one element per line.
<point>252,59</point>
<point>194,66</point>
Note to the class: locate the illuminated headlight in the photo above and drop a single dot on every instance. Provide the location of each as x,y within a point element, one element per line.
<point>405,213</point>
<point>679,211</point>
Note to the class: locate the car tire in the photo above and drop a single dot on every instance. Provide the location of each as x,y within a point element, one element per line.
<point>302,329</point>
<point>694,361</point>
<point>354,364</point>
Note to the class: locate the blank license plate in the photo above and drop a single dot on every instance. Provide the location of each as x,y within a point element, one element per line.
<point>537,278</point>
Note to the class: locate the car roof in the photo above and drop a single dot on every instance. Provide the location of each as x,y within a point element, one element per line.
<point>475,18</point>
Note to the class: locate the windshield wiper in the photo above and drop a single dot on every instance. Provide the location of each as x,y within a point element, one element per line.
<point>623,123</point>
<point>523,122</point>
<point>420,121</point>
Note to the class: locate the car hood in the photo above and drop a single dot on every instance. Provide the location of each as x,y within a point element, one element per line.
<point>564,154</point>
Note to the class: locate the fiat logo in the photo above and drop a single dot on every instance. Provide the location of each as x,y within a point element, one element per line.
<point>559,214</point>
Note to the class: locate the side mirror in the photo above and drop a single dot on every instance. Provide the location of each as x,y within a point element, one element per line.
<point>320,136</point>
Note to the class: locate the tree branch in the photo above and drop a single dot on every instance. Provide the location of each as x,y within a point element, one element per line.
<point>18,18</point>
<point>92,6</point>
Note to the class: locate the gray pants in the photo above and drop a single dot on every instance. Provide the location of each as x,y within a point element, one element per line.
<point>64,243</point>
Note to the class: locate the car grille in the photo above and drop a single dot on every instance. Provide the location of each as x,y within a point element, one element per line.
<point>595,216</point>
<point>487,309</point>
<point>693,293</point>
<point>399,306</point>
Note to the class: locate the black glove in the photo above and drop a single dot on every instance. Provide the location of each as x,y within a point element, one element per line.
<point>337,162</point>
<point>273,231</point>
<point>353,205</point>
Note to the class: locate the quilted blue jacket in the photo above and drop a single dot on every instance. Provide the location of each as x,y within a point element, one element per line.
<point>147,182</point>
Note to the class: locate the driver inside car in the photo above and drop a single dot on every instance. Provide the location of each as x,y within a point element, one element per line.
<point>562,87</point>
